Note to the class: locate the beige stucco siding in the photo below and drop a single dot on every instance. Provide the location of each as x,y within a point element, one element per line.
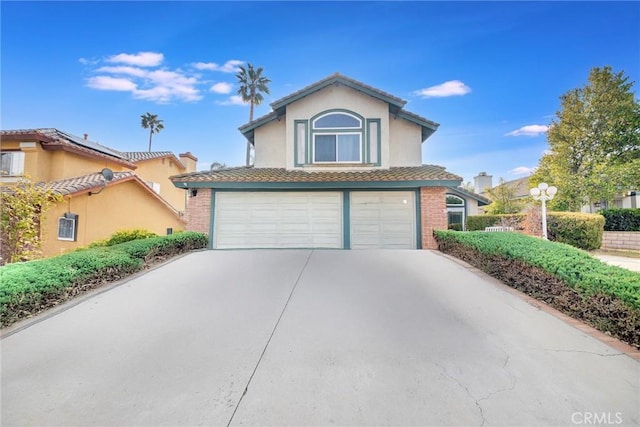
<point>337,97</point>
<point>119,206</point>
<point>405,143</point>
<point>270,145</point>
<point>158,171</point>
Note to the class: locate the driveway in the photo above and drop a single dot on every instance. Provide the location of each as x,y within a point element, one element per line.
<point>312,338</point>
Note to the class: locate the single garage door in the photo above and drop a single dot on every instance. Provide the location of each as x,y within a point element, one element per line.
<point>278,220</point>
<point>383,219</point>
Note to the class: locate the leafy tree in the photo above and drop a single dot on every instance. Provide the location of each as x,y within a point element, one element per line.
<point>23,208</point>
<point>151,122</point>
<point>594,142</point>
<point>217,166</point>
<point>252,85</point>
<point>503,200</point>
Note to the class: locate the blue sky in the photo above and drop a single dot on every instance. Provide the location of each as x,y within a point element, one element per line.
<point>490,73</point>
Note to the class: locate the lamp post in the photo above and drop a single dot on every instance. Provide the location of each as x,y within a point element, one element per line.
<point>543,192</point>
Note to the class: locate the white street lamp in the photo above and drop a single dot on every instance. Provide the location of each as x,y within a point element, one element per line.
<point>543,192</point>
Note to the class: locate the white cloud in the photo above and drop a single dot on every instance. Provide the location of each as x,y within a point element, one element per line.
<point>141,59</point>
<point>122,69</point>
<point>111,83</point>
<point>450,88</point>
<point>231,66</point>
<point>529,130</point>
<point>521,170</point>
<point>233,100</point>
<point>222,88</point>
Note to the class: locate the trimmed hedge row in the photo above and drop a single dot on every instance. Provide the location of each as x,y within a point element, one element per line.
<point>621,219</point>
<point>30,287</point>
<point>480,222</point>
<point>581,230</point>
<point>565,277</point>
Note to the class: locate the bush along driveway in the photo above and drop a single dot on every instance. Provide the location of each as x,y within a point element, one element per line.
<point>568,279</point>
<point>31,287</point>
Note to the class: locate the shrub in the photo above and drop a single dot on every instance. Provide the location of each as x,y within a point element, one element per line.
<point>480,222</point>
<point>583,231</point>
<point>30,287</point>
<point>122,236</point>
<point>567,278</point>
<point>455,226</point>
<point>621,219</point>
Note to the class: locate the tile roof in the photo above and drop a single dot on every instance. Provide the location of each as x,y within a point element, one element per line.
<point>520,187</point>
<point>249,174</point>
<point>139,156</point>
<point>480,198</point>
<point>52,139</point>
<point>83,183</point>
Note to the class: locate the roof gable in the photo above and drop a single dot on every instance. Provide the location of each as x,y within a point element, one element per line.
<point>395,104</point>
<point>140,156</point>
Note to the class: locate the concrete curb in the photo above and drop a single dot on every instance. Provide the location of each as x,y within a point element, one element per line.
<point>612,342</point>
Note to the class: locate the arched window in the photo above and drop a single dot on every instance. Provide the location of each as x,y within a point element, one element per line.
<point>337,137</point>
<point>456,212</point>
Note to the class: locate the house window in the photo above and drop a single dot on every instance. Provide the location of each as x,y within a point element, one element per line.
<point>337,138</point>
<point>12,163</point>
<point>455,212</point>
<point>68,227</point>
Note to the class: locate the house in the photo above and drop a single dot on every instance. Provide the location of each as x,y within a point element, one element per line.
<point>94,208</point>
<point>462,203</point>
<point>627,200</point>
<point>338,164</point>
<point>517,189</point>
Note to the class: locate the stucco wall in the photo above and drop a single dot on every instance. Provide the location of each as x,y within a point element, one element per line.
<point>337,97</point>
<point>270,145</point>
<point>405,143</point>
<point>119,206</point>
<point>159,171</point>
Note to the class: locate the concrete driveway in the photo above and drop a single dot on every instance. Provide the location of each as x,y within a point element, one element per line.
<point>312,338</point>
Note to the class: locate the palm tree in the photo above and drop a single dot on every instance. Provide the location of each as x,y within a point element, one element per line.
<point>151,122</point>
<point>252,85</point>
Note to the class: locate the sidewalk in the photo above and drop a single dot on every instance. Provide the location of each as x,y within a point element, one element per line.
<point>629,263</point>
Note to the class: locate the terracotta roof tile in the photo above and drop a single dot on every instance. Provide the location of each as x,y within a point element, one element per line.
<point>248,174</point>
<point>82,183</point>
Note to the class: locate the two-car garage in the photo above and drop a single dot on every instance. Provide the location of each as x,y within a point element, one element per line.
<point>314,219</point>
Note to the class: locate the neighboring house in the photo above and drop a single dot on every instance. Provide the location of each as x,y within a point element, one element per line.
<point>630,199</point>
<point>92,208</point>
<point>520,188</point>
<point>338,164</point>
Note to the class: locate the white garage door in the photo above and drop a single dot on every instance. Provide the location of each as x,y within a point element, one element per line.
<point>383,219</point>
<point>278,220</point>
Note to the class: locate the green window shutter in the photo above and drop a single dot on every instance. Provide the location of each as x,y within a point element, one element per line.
<point>374,144</point>
<point>300,142</point>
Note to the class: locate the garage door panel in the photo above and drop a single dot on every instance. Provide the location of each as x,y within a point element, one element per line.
<point>278,220</point>
<point>383,220</point>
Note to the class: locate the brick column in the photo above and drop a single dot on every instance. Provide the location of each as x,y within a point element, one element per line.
<point>199,210</point>
<point>433,214</point>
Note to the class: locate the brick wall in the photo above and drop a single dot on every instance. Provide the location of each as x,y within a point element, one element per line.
<point>199,210</point>
<point>433,213</point>
<point>621,240</point>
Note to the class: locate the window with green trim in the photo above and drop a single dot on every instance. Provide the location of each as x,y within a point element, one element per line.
<point>337,137</point>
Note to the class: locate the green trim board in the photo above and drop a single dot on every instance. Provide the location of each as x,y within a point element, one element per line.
<point>346,219</point>
<point>418,219</point>
<point>212,216</point>
<point>318,185</point>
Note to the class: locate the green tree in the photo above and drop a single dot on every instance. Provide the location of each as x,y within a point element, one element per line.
<point>252,85</point>
<point>594,142</point>
<point>151,122</point>
<point>503,200</point>
<point>22,215</point>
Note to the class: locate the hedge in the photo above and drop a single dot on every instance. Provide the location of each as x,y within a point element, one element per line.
<point>581,230</point>
<point>30,287</point>
<point>621,219</point>
<point>480,222</point>
<point>569,279</point>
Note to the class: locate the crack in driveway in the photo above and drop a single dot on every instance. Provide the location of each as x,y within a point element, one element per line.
<point>264,350</point>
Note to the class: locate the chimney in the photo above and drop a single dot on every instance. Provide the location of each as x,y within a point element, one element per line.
<point>86,135</point>
<point>189,161</point>
<point>482,182</point>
